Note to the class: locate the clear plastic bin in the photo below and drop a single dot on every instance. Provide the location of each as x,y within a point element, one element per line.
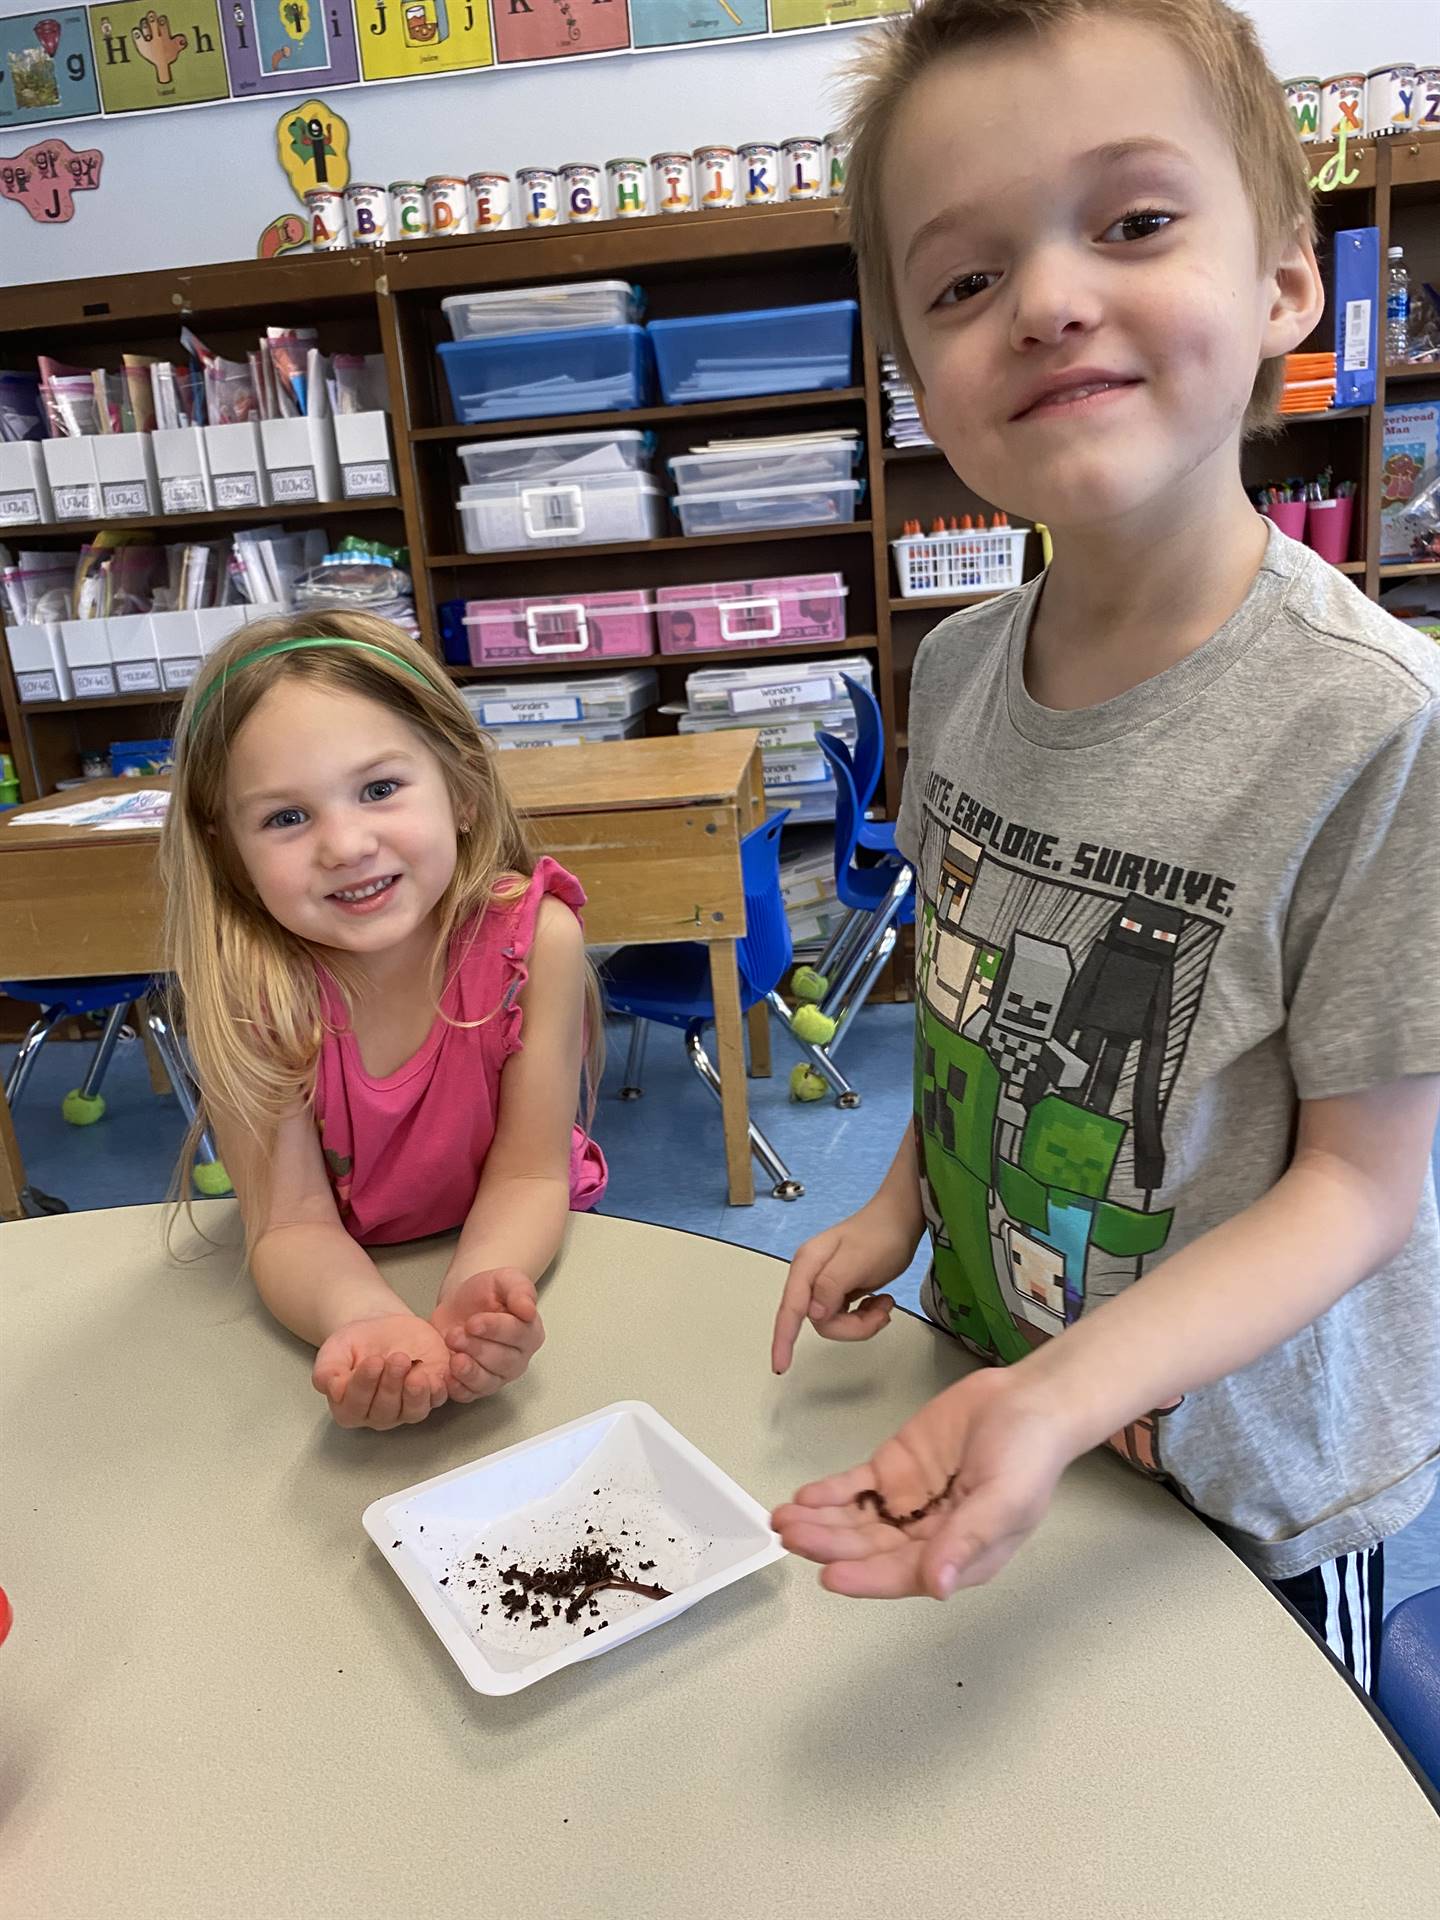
<point>574,736</point>
<point>586,696</point>
<point>589,626</point>
<point>796,730</point>
<point>752,613</point>
<point>565,513</point>
<point>557,456</point>
<point>750,467</point>
<point>935,563</point>
<point>727,356</point>
<point>753,511</point>
<point>591,370</point>
<point>764,693</point>
<point>578,304</point>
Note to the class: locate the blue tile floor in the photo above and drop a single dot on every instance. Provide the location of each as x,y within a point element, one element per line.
<point>665,1154</point>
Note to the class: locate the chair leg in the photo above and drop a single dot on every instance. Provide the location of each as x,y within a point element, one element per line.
<point>105,1051</point>
<point>861,991</point>
<point>784,1185</point>
<point>168,1046</point>
<point>863,951</point>
<point>818,1057</point>
<point>30,1046</point>
<point>635,1060</point>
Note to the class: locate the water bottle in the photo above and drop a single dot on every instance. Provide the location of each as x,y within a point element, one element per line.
<point>1397,310</point>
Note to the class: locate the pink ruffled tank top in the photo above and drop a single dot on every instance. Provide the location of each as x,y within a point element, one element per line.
<point>404,1153</point>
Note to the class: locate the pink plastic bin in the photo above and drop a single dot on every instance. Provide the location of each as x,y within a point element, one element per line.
<point>737,614</point>
<point>586,626</point>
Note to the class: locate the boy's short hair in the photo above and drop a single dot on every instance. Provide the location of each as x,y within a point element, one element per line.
<point>1223,50</point>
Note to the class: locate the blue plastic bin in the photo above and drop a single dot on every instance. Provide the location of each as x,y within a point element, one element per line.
<point>516,375</point>
<point>728,356</point>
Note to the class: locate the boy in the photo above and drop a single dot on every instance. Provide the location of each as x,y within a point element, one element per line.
<point>1171,811</point>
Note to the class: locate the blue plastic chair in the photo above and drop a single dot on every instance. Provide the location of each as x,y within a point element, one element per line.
<point>671,984</point>
<point>867,763</point>
<point>1409,1690</point>
<point>113,995</point>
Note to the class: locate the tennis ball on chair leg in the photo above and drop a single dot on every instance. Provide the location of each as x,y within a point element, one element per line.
<point>812,1026</point>
<point>807,984</point>
<point>806,1084</point>
<point>83,1110</point>
<point>211,1179</point>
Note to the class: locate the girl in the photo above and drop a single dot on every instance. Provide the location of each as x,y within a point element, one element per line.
<point>387,999</point>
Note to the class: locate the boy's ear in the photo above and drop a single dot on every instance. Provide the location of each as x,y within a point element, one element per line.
<point>1297,298</point>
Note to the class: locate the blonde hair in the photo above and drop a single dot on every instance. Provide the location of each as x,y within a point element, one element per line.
<point>1222,48</point>
<point>251,994</point>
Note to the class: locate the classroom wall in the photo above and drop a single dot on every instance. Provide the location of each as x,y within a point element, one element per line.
<point>198,185</point>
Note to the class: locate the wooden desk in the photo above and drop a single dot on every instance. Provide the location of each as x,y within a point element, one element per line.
<point>651,827</point>
<point>220,1704</point>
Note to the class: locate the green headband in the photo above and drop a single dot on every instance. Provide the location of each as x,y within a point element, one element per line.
<point>301,645</point>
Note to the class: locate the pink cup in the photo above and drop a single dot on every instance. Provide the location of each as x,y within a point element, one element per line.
<point>1289,516</point>
<point>1327,529</point>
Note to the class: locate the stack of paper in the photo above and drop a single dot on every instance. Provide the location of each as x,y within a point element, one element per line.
<point>1309,383</point>
<point>903,425</point>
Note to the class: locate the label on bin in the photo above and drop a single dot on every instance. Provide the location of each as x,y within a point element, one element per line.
<point>39,684</point>
<point>126,496</point>
<point>76,503</point>
<point>18,509</point>
<point>293,483</point>
<point>527,713</point>
<point>139,676</point>
<point>184,494</point>
<point>363,480</point>
<point>237,489</point>
<point>788,693</point>
<point>92,682</point>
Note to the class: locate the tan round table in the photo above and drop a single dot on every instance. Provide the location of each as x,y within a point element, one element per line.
<point>217,1699</point>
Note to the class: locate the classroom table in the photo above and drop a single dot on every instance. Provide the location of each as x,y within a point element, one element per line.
<point>219,1702</point>
<point>651,827</point>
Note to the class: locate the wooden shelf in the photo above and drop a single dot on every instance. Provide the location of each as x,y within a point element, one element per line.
<point>671,543</point>
<point>1395,376</point>
<point>1353,567</point>
<point>1410,570</point>
<point>923,604</point>
<point>105,700</point>
<point>900,456</point>
<point>1324,413</point>
<point>644,416</point>
<point>500,670</point>
<point>216,517</point>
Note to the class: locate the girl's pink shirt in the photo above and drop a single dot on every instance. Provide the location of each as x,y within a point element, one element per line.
<point>404,1153</point>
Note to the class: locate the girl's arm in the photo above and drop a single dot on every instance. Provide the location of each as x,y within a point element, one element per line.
<point>379,1364</point>
<point>515,1225</point>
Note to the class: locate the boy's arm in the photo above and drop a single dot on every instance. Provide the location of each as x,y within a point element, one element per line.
<point>998,1440</point>
<point>486,1307</point>
<point>1342,1209</point>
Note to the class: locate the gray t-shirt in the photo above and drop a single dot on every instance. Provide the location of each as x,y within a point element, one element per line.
<point>1144,932</point>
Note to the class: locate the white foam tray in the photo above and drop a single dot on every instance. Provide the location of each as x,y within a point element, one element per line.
<point>532,1503</point>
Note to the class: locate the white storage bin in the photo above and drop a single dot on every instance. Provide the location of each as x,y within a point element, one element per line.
<point>214,625</point>
<point>183,470</point>
<point>555,456</point>
<point>125,468</point>
<point>24,488</point>
<point>177,645</point>
<point>132,650</point>
<point>799,731</point>
<point>604,507</point>
<point>262,610</point>
<point>587,303</point>
<point>38,661</point>
<point>588,696</point>
<point>301,460</point>
<point>362,447</point>
<point>935,563</point>
<point>802,803</point>
<point>795,767</point>
<point>237,465</point>
<point>576,735</point>
<point>795,686</point>
<point>87,654</point>
<point>744,468</point>
<point>74,483</point>
<point>751,511</point>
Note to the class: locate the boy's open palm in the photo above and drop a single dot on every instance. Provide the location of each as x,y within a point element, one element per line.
<point>833,1280</point>
<point>491,1329</point>
<point>389,1371</point>
<point>1006,1450</point>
